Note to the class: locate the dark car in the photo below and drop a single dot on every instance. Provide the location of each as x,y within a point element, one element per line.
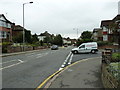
<point>54,47</point>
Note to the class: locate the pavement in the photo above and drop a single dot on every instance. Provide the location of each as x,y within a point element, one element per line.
<point>17,53</point>
<point>85,73</point>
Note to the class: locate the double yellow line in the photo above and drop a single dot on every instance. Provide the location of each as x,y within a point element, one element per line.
<point>51,76</point>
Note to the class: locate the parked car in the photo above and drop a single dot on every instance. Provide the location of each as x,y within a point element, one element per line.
<point>54,47</point>
<point>65,45</point>
<point>90,47</point>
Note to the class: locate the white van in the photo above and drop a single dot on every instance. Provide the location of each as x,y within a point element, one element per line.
<point>90,47</point>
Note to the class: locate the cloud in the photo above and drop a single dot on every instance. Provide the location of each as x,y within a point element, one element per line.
<point>60,16</point>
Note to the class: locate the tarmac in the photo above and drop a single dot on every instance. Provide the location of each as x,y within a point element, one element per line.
<point>85,73</point>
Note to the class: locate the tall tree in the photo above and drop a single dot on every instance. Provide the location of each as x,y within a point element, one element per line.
<point>18,38</point>
<point>28,36</point>
<point>35,38</point>
<point>86,35</point>
<point>58,40</point>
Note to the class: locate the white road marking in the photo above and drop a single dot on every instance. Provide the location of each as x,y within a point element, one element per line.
<point>68,56</point>
<point>8,61</point>
<point>63,65</point>
<point>41,55</point>
<point>31,55</point>
<point>60,69</point>
<point>20,61</point>
<point>70,59</point>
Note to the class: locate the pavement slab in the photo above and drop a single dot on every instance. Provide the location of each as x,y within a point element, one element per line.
<point>86,74</point>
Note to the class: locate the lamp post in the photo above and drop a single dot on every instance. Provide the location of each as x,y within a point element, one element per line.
<point>77,31</point>
<point>23,24</point>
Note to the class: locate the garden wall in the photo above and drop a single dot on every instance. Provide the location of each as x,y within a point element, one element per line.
<point>12,49</point>
<point>108,46</point>
<point>107,78</point>
<point>109,81</point>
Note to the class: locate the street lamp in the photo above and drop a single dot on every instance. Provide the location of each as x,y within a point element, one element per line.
<point>23,24</point>
<point>77,31</point>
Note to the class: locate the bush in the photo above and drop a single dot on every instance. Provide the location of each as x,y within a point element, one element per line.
<point>102,43</point>
<point>113,68</point>
<point>6,43</point>
<point>83,41</point>
<point>116,57</point>
<point>4,46</point>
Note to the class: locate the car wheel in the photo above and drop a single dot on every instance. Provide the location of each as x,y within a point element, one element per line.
<point>75,52</point>
<point>93,51</point>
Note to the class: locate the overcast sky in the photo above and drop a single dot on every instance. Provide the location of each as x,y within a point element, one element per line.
<point>60,16</point>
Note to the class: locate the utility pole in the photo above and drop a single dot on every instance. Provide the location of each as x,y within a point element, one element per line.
<point>23,24</point>
<point>77,31</point>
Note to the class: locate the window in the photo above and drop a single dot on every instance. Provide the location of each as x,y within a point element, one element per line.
<point>4,24</point>
<point>83,46</point>
<point>3,34</point>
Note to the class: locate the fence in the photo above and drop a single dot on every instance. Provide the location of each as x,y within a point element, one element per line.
<point>109,81</point>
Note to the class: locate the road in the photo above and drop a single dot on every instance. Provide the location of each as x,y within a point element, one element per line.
<point>30,69</point>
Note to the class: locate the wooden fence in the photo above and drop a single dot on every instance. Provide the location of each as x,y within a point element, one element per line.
<point>109,81</point>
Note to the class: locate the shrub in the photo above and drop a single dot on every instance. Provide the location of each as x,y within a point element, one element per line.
<point>4,46</point>
<point>116,57</point>
<point>113,68</point>
<point>102,43</point>
<point>6,43</point>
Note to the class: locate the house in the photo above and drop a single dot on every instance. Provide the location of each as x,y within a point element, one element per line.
<point>42,36</point>
<point>73,41</point>
<point>97,34</point>
<point>17,31</point>
<point>5,29</point>
<point>107,30</point>
<point>67,41</point>
<point>111,29</point>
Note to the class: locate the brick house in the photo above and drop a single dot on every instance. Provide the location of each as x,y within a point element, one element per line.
<point>107,30</point>
<point>111,29</point>
<point>17,30</point>
<point>97,34</point>
<point>5,29</point>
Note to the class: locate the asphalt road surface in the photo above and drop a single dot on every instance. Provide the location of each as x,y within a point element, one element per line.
<point>31,69</point>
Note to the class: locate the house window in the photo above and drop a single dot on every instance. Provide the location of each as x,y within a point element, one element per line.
<point>4,24</point>
<point>105,28</point>
<point>3,34</point>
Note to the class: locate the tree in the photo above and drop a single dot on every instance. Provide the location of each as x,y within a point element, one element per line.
<point>47,39</point>
<point>28,37</point>
<point>86,35</point>
<point>58,40</point>
<point>18,38</point>
<point>35,38</point>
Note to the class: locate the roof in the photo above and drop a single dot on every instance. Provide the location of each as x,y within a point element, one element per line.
<point>116,18</point>
<point>106,22</point>
<point>96,29</point>
<point>19,28</point>
<point>45,34</point>
<point>2,15</point>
